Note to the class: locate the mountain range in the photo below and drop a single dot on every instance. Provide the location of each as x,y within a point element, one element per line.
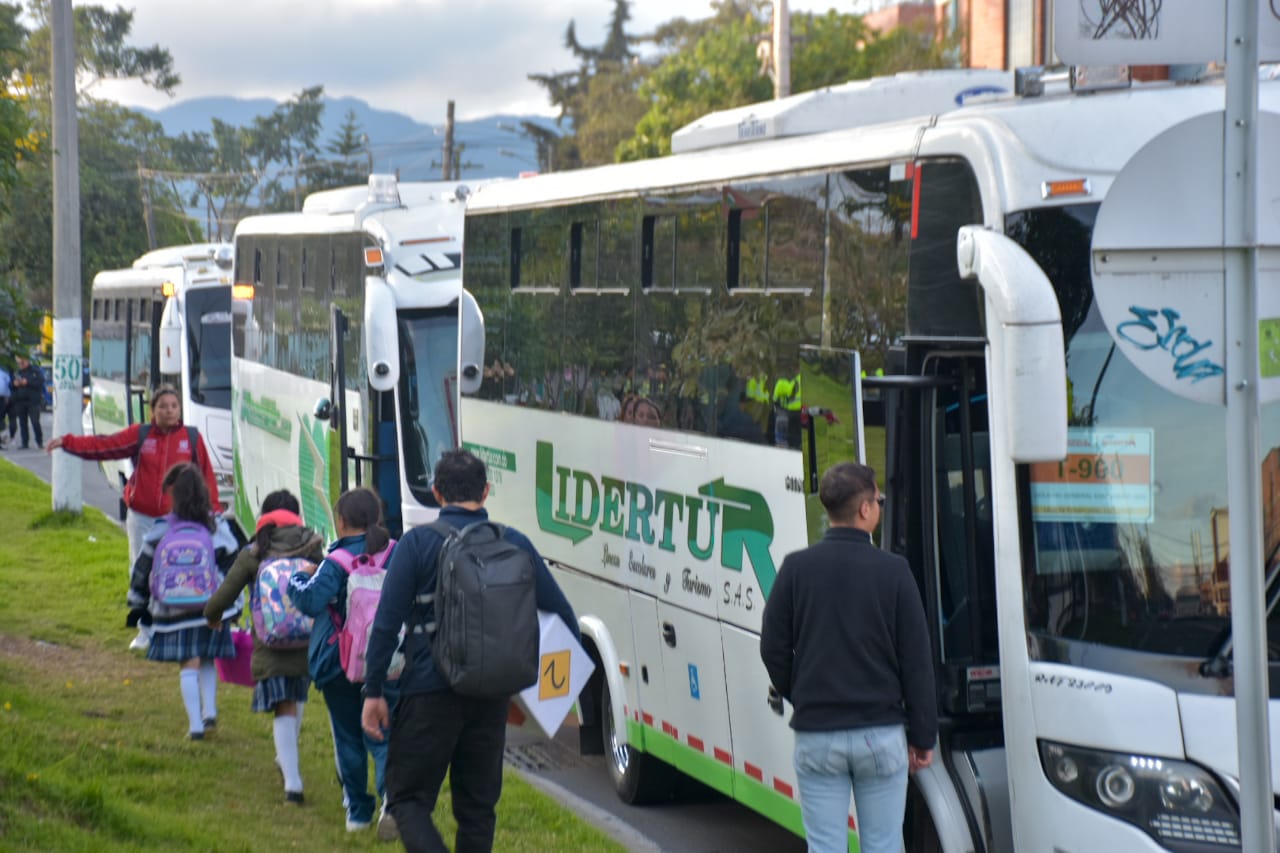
<point>490,147</point>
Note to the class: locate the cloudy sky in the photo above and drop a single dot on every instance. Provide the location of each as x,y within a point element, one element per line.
<point>411,56</point>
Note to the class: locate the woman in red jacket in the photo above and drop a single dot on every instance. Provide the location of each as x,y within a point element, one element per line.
<point>167,442</point>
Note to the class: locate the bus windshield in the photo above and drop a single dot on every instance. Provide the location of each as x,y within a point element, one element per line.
<point>428,389</point>
<point>209,343</point>
<point>1130,531</point>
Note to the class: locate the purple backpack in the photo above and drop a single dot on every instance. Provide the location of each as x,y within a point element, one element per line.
<point>277,623</point>
<point>365,574</point>
<point>184,569</point>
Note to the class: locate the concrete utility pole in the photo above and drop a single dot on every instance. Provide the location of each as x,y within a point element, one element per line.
<point>1240,236</point>
<point>446,157</point>
<point>781,49</point>
<point>67,339</point>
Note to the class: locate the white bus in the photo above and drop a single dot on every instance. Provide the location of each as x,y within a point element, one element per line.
<point>1051,480</point>
<point>167,318</point>
<point>347,370</point>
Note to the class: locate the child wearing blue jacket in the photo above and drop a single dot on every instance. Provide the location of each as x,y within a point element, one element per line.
<point>322,593</point>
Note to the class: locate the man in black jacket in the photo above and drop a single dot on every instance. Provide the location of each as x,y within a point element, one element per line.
<point>436,730</point>
<point>27,401</point>
<point>844,640</point>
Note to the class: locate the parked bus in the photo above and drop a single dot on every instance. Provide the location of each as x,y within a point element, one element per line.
<point>347,371</point>
<point>167,318</point>
<point>799,265</point>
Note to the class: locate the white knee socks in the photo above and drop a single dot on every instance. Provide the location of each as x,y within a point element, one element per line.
<point>189,680</point>
<point>209,689</point>
<point>285,732</point>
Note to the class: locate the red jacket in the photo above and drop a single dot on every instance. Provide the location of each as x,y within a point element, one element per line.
<point>162,450</point>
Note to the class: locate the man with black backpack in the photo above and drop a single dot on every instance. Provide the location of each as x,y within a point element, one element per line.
<point>452,714</point>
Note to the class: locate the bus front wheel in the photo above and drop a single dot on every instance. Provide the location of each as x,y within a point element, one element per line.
<point>638,777</point>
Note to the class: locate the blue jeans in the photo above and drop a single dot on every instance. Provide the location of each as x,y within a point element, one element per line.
<point>872,762</point>
<point>352,749</point>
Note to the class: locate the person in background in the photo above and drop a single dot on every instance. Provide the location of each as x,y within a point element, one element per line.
<point>27,400</point>
<point>435,730</point>
<point>5,390</point>
<point>844,640</point>
<point>322,592</point>
<point>167,442</point>
<point>182,636</point>
<point>281,674</point>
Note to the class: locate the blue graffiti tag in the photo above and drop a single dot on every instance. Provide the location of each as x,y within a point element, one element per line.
<point>1145,334</point>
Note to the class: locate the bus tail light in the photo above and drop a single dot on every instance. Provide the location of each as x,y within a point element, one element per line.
<point>168,289</point>
<point>1177,803</point>
<point>242,291</point>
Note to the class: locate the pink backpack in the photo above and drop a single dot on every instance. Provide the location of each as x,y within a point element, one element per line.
<point>365,574</point>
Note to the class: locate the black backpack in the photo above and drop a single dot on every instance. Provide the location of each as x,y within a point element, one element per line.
<point>484,639</point>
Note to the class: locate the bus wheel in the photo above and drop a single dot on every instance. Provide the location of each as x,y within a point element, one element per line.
<point>639,777</point>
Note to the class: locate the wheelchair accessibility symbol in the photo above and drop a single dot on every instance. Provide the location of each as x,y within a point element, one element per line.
<point>693,682</point>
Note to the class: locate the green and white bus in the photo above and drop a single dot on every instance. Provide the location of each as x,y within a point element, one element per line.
<point>167,318</point>
<point>346,372</point>
<point>1051,442</point>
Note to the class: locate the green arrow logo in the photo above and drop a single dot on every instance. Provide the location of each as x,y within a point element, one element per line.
<point>748,526</point>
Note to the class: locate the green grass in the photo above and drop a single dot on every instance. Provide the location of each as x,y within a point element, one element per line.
<point>93,748</point>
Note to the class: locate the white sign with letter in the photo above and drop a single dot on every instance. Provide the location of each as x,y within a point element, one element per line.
<point>563,670</point>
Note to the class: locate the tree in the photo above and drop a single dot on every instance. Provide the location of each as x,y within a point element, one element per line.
<point>101,50</point>
<point>599,101</point>
<point>712,65</point>
<point>113,141</point>
<point>351,160</point>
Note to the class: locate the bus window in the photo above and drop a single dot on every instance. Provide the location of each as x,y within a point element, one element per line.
<point>595,372</point>
<point>941,302</point>
<point>428,381</point>
<point>866,299</point>
<point>209,345</point>
<point>619,240</point>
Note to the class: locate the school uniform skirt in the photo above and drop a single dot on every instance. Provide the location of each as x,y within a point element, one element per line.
<point>186,643</point>
<point>279,688</point>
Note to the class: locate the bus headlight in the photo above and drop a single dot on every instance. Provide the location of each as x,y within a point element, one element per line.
<point>1179,804</point>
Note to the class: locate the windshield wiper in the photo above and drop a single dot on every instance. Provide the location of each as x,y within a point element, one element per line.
<point>1219,665</point>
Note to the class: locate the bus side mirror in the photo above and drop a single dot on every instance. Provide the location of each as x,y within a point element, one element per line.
<point>470,344</point>
<point>381,334</point>
<point>323,409</point>
<point>1028,360</point>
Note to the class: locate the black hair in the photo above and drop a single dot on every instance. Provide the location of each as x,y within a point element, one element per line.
<point>844,487</point>
<point>361,509</point>
<point>185,484</point>
<point>460,477</point>
<point>279,499</point>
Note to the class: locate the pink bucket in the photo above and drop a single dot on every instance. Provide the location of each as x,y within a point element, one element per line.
<point>237,670</point>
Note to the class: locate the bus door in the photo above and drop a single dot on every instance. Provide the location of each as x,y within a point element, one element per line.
<point>142,355</point>
<point>955,556</point>
<point>833,425</point>
<point>336,411</point>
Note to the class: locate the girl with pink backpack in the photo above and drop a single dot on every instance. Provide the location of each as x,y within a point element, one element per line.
<point>281,544</point>
<point>329,592</point>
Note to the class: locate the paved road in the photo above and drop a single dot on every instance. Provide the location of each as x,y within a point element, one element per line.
<point>699,821</point>
<point>94,489</point>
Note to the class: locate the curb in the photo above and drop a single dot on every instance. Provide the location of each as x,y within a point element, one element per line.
<point>617,829</point>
